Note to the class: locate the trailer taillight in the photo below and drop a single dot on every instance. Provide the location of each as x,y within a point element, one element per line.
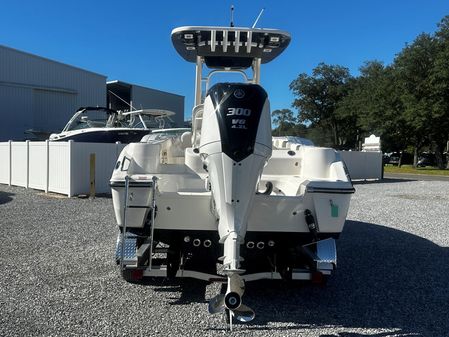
<point>137,275</point>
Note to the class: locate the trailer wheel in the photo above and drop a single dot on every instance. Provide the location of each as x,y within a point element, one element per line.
<point>173,261</point>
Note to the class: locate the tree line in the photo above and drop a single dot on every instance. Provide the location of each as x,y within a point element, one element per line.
<point>406,102</point>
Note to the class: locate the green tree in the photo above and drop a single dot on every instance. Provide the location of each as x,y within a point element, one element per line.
<point>439,82</point>
<point>285,121</point>
<point>413,66</point>
<point>317,99</point>
<point>374,101</point>
<point>424,112</point>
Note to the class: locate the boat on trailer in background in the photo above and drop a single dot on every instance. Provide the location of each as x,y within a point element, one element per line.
<point>104,125</point>
<point>226,202</point>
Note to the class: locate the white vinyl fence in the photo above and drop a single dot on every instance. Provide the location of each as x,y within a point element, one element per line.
<point>61,167</point>
<point>363,165</point>
<point>64,167</point>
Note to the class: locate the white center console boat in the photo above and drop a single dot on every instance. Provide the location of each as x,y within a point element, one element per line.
<point>227,202</point>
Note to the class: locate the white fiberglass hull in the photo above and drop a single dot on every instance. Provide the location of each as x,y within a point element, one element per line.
<point>268,214</point>
<point>184,201</point>
<point>275,241</point>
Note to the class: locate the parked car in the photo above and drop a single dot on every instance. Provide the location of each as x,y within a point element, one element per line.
<point>430,159</point>
<point>393,158</point>
<point>426,159</point>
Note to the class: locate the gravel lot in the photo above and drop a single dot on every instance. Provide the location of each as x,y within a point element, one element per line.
<point>59,277</point>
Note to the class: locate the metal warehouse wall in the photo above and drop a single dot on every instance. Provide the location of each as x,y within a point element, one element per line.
<point>155,99</point>
<point>41,94</point>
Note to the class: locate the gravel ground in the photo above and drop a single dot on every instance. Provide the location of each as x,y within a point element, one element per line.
<point>59,277</point>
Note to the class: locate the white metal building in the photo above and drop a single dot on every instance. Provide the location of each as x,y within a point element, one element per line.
<point>41,94</point>
<point>121,95</point>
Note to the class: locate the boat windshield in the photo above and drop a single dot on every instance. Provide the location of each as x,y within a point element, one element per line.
<point>102,118</point>
<point>105,118</point>
<point>160,135</point>
<point>150,122</point>
<point>88,119</point>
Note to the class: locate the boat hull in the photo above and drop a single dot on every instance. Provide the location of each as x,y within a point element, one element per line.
<point>124,136</point>
<point>299,208</point>
<point>270,214</point>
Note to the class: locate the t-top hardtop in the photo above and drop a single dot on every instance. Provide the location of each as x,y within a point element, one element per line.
<point>229,47</point>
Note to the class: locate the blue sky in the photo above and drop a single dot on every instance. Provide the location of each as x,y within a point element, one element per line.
<point>130,41</point>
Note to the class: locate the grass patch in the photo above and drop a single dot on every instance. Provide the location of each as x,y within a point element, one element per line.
<point>419,170</point>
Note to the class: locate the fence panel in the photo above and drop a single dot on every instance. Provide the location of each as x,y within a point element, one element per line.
<point>105,158</point>
<point>38,165</point>
<point>19,164</point>
<point>59,167</point>
<point>4,163</point>
<point>363,165</point>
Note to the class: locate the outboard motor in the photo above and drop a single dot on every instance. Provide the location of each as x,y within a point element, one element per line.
<point>235,145</point>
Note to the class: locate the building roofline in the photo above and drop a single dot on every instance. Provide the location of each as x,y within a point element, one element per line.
<point>54,61</point>
<point>140,86</point>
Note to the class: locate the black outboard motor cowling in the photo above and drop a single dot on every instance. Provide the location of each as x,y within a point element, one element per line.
<point>235,144</point>
<point>238,107</point>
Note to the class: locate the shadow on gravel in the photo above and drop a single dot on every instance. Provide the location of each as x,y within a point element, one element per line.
<point>5,197</point>
<point>192,291</point>
<point>386,279</point>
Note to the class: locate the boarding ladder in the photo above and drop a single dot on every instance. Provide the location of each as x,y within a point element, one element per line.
<point>128,240</point>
